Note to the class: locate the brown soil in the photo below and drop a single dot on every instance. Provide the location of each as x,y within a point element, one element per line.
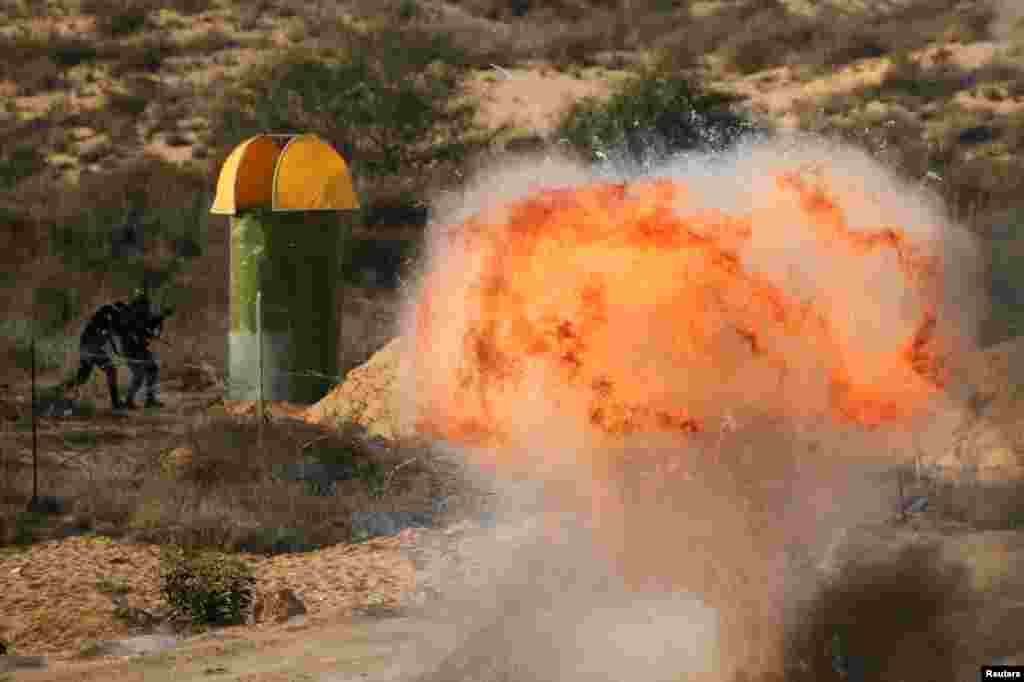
<point>51,610</point>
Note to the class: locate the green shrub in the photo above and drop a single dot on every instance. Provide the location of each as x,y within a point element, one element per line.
<point>24,161</point>
<point>55,307</point>
<point>51,351</point>
<point>652,108</point>
<point>909,77</point>
<point>72,53</point>
<point>207,588</point>
<point>407,10</point>
<point>1006,283</point>
<point>84,243</point>
<point>123,23</point>
<point>275,540</point>
<point>25,526</point>
<point>85,440</point>
<point>373,476</point>
<point>127,103</point>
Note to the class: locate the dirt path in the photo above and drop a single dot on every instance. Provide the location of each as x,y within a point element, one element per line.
<point>364,648</point>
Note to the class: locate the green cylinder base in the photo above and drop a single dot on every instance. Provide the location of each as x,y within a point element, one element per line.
<point>290,262</point>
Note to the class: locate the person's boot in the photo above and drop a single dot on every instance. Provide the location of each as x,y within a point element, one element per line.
<point>152,402</point>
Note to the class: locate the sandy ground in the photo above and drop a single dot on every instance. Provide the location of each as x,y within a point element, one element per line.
<point>531,99</point>
<point>339,647</point>
<point>338,650</point>
<point>45,608</point>
<point>51,610</point>
<point>776,92</point>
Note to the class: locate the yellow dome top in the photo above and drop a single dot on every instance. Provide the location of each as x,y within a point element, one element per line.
<point>305,174</point>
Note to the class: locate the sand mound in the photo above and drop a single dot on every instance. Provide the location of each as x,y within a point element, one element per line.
<point>367,396</point>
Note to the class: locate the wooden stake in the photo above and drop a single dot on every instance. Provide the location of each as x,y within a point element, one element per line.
<point>259,358</point>
<point>35,444</point>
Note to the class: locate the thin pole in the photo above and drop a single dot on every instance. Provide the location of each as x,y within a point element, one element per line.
<point>35,448</point>
<point>259,355</point>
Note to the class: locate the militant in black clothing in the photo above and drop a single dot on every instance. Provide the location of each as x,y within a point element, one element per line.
<point>140,328</point>
<point>122,329</point>
<point>98,340</point>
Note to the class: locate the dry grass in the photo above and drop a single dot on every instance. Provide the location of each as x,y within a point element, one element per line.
<point>753,36</point>
<point>229,491</point>
<point>121,18</point>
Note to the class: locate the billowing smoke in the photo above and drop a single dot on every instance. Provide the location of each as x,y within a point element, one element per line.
<point>684,384</point>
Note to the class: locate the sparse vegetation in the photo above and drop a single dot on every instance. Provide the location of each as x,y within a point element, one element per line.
<point>112,587</point>
<point>227,492</point>
<point>72,52</point>
<point>1006,258</point>
<point>23,162</point>
<point>395,113</point>
<point>25,526</point>
<point>206,588</point>
<point>120,18</point>
<point>653,111</point>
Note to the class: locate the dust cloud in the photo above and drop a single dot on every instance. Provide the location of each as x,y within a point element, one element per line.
<point>683,389</point>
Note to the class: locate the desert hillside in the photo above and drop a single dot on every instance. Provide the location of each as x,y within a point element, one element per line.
<point>111,104</point>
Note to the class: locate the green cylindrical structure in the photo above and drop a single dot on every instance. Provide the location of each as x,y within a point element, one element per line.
<point>295,260</point>
<point>291,209</point>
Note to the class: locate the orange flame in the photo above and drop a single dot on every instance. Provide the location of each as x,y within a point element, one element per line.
<point>622,308</point>
<point>551,328</point>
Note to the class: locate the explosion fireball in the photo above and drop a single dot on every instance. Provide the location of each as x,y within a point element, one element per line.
<point>554,328</point>
<point>635,307</point>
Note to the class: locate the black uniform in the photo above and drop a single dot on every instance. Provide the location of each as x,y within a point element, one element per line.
<point>125,329</point>
<point>140,328</point>
<point>100,336</point>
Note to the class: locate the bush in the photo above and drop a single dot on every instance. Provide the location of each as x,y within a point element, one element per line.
<point>21,163</point>
<point>73,52</point>
<point>55,308</point>
<point>119,18</point>
<point>207,588</point>
<point>51,350</point>
<point>275,540</point>
<point>909,77</point>
<point>654,108</point>
<point>25,526</point>
<point>392,113</point>
<point>767,38</point>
